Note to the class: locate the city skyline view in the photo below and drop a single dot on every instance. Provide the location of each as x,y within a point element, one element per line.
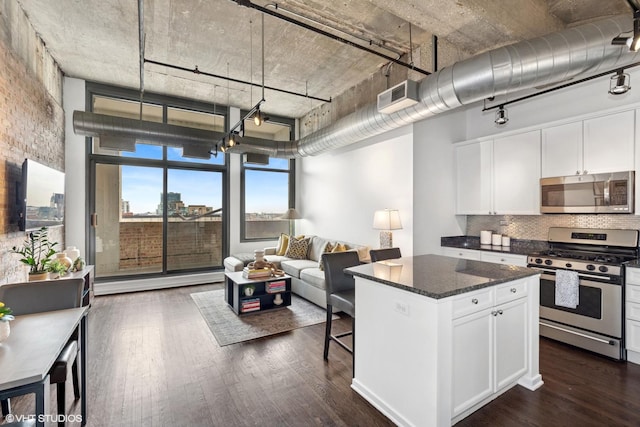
<point>266,192</point>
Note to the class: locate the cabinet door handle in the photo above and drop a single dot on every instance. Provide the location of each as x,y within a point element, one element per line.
<point>494,313</point>
<point>513,290</point>
<point>577,172</point>
<point>474,301</point>
<point>502,260</point>
<point>500,312</point>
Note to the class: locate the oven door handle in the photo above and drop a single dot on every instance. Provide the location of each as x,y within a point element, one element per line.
<point>609,342</point>
<point>581,275</point>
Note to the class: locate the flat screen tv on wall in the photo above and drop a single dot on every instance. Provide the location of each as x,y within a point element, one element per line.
<point>42,196</point>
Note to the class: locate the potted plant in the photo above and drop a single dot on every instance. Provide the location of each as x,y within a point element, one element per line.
<point>57,268</point>
<point>36,252</point>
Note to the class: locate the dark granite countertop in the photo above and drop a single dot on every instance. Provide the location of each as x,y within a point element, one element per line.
<point>437,276</point>
<point>517,247</point>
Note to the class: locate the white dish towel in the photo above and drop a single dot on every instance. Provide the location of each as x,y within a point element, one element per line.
<point>567,287</point>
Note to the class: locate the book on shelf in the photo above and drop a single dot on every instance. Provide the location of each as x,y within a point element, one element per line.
<point>252,304</point>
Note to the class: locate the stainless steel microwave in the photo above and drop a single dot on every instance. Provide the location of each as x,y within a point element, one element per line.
<point>595,193</point>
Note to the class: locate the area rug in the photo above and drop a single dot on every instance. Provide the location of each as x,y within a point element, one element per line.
<point>228,328</point>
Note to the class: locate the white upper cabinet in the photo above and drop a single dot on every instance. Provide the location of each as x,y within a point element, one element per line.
<point>562,150</point>
<point>608,143</point>
<point>516,174</point>
<point>601,144</point>
<point>500,176</point>
<point>473,178</point>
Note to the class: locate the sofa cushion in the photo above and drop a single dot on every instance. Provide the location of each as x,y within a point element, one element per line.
<point>314,277</point>
<point>283,244</point>
<point>328,247</point>
<point>293,267</point>
<point>317,247</point>
<point>298,248</point>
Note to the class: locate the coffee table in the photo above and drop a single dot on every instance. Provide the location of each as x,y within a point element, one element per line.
<point>267,292</point>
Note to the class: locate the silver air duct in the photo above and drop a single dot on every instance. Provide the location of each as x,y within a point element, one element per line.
<point>576,52</point>
<point>91,124</point>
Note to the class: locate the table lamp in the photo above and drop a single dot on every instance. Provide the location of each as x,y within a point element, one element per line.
<point>291,214</point>
<point>386,220</point>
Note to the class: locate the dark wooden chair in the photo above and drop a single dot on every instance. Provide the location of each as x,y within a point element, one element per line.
<point>382,254</point>
<point>341,296</point>
<point>38,297</point>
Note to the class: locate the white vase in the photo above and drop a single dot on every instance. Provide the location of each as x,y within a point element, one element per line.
<point>64,260</point>
<point>72,252</point>
<point>5,330</point>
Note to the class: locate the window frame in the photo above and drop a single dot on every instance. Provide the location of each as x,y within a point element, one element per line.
<point>292,183</point>
<point>166,102</point>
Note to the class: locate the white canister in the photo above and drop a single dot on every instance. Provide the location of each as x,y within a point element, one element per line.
<point>485,237</point>
<point>496,240</point>
<point>506,241</point>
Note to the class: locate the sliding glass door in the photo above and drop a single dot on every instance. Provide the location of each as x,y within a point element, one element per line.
<point>194,219</point>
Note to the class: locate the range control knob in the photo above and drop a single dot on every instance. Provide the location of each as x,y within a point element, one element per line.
<point>568,265</point>
<point>603,268</point>
<point>538,261</point>
<point>591,267</point>
<point>548,262</point>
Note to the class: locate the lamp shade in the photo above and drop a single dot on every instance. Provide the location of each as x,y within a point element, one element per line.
<point>387,219</point>
<point>291,213</point>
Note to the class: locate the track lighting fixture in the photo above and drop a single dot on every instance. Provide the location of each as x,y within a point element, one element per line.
<point>258,117</point>
<point>501,116</point>
<point>232,140</point>
<point>632,42</point>
<point>635,43</point>
<point>619,83</point>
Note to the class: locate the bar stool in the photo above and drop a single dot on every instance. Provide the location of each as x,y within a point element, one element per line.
<point>382,254</point>
<point>341,296</point>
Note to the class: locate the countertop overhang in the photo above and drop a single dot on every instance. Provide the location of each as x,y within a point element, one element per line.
<point>437,276</point>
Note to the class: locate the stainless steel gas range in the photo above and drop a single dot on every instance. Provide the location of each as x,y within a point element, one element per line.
<point>598,257</point>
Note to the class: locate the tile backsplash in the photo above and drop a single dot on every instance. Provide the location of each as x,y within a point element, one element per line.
<point>535,227</point>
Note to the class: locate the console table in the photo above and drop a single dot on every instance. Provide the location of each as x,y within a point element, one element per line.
<point>87,274</point>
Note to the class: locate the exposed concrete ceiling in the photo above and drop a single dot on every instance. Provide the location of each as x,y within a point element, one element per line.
<point>97,40</point>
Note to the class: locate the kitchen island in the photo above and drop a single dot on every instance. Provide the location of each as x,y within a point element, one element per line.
<point>439,337</point>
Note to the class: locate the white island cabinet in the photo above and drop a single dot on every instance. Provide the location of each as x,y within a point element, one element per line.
<point>444,337</point>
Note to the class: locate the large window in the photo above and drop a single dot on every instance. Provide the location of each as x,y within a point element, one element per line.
<point>267,188</point>
<point>155,211</point>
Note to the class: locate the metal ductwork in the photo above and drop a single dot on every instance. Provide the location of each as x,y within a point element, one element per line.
<point>577,52</point>
<point>102,125</point>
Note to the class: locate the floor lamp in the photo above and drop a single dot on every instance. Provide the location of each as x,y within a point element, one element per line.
<point>386,220</point>
<point>291,214</point>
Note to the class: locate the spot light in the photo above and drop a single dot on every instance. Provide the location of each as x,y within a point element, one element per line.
<point>501,116</point>
<point>232,140</point>
<point>258,118</point>
<point>619,83</point>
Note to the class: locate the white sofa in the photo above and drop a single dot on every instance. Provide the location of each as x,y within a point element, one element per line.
<point>307,279</point>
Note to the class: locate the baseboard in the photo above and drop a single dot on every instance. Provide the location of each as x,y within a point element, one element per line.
<point>135,285</point>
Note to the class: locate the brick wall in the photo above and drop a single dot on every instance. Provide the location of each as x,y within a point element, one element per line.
<point>31,124</point>
<point>190,245</point>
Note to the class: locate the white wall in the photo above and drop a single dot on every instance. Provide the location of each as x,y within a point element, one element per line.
<point>73,98</point>
<point>434,195</point>
<point>338,191</point>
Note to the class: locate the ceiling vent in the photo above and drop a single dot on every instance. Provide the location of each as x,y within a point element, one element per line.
<point>398,97</point>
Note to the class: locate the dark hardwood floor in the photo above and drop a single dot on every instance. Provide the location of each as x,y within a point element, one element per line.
<point>154,362</point>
